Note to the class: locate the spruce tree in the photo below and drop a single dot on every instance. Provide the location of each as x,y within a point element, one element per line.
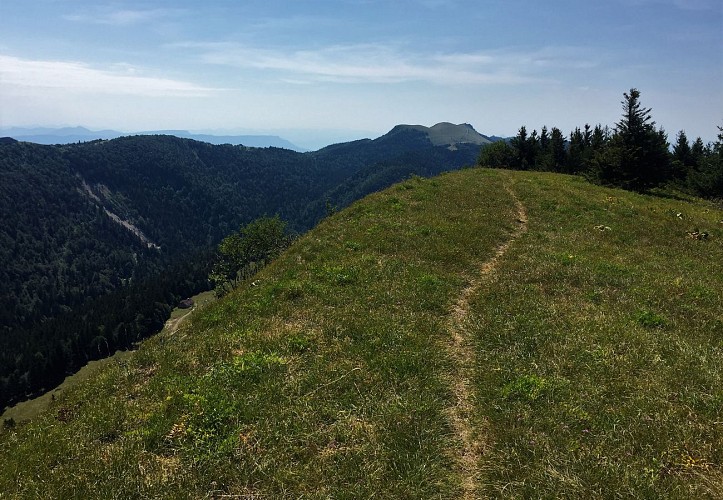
<point>600,137</point>
<point>637,155</point>
<point>587,136</point>
<point>575,154</point>
<point>519,144</point>
<point>558,152</point>
<point>698,150</point>
<point>683,160</point>
<point>542,161</point>
<point>706,179</point>
<point>533,149</point>
<point>544,140</point>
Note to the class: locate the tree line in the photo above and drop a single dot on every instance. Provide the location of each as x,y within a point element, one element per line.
<point>635,154</point>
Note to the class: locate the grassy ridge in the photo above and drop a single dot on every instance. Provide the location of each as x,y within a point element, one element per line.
<point>600,348</point>
<point>597,340</point>
<point>324,379</point>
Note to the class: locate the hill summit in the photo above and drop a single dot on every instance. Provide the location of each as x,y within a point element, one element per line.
<point>448,134</point>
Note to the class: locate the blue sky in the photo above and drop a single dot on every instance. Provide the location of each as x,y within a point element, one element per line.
<point>322,71</point>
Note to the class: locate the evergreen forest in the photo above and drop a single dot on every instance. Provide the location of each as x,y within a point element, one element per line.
<point>100,240</point>
<point>635,154</point>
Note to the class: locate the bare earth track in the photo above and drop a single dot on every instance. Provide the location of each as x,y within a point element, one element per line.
<point>173,324</point>
<point>461,351</point>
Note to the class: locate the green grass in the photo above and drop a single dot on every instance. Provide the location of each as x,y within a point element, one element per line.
<point>30,409</point>
<point>199,300</point>
<point>27,410</point>
<point>600,350</point>
<point>597,360</point>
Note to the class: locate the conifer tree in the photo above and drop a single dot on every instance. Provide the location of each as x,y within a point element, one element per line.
<point>600,137</point>
<point>544,140</point>
<point>698,150</point>
<point>558,152</point>
<point>533,149</point>
<point>683,160</point>
<point>706,179</point>
<point>637,155</point>
<point>519,144</point>
<point>575,154</point>
<point>543,160</point>
<point>587,136</point>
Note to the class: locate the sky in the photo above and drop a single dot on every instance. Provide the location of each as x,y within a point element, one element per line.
<point>323,71</point>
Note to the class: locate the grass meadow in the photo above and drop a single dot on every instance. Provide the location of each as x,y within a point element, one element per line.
<point>600,348</point>
<point>596,342</point>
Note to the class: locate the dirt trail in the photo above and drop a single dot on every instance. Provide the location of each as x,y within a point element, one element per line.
<point>172,325</point>
<point>461,350</point>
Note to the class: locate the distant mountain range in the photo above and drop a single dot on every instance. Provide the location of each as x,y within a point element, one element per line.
<point>68,135</point>
<point>440,134</point>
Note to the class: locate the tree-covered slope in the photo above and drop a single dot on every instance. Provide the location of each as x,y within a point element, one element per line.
<point>88,227</point>
<point>177,194</point>
<point>484,333</point>
<point>426,162</point>
<point>57,248</point>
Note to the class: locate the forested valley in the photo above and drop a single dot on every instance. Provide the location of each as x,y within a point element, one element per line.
<point>100,240</point>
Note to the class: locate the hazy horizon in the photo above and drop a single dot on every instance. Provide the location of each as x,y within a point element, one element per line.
<point>310,140</point>
<point>318,72</point>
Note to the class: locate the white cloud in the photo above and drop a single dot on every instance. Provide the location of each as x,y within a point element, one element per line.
<point>122,17</point>
<point>389,64</point>
<point>23,75</point>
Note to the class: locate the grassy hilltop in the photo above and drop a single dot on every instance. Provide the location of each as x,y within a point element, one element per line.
<point>485,333</point>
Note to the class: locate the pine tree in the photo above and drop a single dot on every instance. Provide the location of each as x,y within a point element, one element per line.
<point>558,153</point>
<point>637,155</point>
<point>519,144</point>
<point>683,159</point>
<point>575,151</point>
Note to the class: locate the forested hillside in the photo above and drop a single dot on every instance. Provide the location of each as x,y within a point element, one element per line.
<point>56,248</point>
<point>100,239</point>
